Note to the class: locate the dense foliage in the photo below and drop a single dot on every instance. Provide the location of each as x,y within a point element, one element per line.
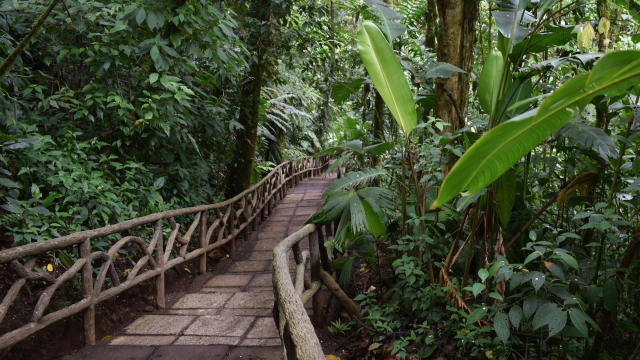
<point>496,201</point>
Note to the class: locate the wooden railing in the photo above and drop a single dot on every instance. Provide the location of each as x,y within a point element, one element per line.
<point>229,219</point>
<point>294,326</point>
<point>296,331</point>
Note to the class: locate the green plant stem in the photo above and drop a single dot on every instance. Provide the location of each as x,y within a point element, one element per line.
<point>8,63</point>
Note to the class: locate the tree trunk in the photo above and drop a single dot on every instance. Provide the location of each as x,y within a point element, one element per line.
<point>456,38</point>
<point>603,45</point>
<point>378,124</point>
<point>431,30</point>
<point>259,40</point>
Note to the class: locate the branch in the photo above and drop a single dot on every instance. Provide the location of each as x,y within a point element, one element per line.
<point>8,63</point>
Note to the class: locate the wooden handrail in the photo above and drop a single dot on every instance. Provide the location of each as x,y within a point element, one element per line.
<point>226,221</point>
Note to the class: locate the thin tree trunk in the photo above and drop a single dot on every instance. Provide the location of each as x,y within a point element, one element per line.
<point>603,45</point>
<point>378,124</point>
<point>241,168</point>
<point>456,38</point>
<point>8,63</point>
<point>431,30</point>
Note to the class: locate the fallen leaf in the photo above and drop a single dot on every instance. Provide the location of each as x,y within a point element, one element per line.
<point>215,254</point>
<point>187,270</point>
<point>149,308</point>
<point>331,357</point>
<point>106,338</point>
<point>49,268</point>
<point>374,346</point>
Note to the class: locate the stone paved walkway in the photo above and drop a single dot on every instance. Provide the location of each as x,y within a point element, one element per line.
<point>230,316</point>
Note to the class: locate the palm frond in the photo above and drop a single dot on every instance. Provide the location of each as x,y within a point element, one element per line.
<point>379,199</point>
<point>354,179</point>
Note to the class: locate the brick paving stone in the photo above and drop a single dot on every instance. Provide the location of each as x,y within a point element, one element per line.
<point>208,340</point>
<point>228,280</point>
<point>263,280</point>
<point>256,353</point>
<point>248,312</point>
<point>268,245</point>
<point>143,340</point>
<point>264,328</point>
<point>190,352</point>
<point>159,324</point>
<point>305,210</point>
<point>220,325</point>
<point>105,352</point>
<point>252,300</point>
<point>248,266</point>
<point>261,342</point>
<point>197,312</point>
<point>220,289</point>
<point>202,301</point>
<point>261,255</point>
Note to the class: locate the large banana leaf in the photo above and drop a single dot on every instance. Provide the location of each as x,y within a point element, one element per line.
<point>494,153</point>
<point>387,75</point>
<point>490,80</point>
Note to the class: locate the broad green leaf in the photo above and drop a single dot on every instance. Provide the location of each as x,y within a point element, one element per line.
<point>476,315</point>
<point>387,75</point>
<point>506,196</point>
<point>140,16</point>
<point>529,306</point>
<point>176,38</point>
<point>494,153</point>
<point>545,314</point>
<point>537,279</point>
<point>490,81</point>
<point>514,100</point>
<point>501,326</point>
<point>342,90</point>
<point>557,323</point>
<point>554,36</point>
<point>153,78</point>
<point>534,255</point>
<point>117,28</point>
<point>374,225</point>
<point>392,29</point>
<point>155,53</point>
<point>610,295</point>
<point>477,288</point>
<point>467,200</point>
<point>441,70</point>
<point>483,274</point>
<point>578,319</point>
<point>515,315</point>
<point>152,20</point>
<point>66,260</point>
<point>569,260</point>
<point>10,184</point>
<point>589,137</point>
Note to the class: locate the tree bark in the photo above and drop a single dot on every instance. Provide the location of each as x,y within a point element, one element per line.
<point>603,45</point>
<point>431,30</point>
<point>456,38</point>
<point>259,40</point>
<point>378,124</point>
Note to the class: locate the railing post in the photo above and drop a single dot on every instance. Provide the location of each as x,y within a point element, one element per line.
<point>160,265</point>
<point>89,314</point>
<point>203,242</point>
<point>315,276</point>
<point>324,256</point>
<point>232,232</point>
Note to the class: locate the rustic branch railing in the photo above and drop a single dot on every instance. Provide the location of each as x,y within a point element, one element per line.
<point>294,326</point>
<point>229,219</point>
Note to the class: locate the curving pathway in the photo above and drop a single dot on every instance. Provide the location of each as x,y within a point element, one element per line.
<point>226,314</point>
